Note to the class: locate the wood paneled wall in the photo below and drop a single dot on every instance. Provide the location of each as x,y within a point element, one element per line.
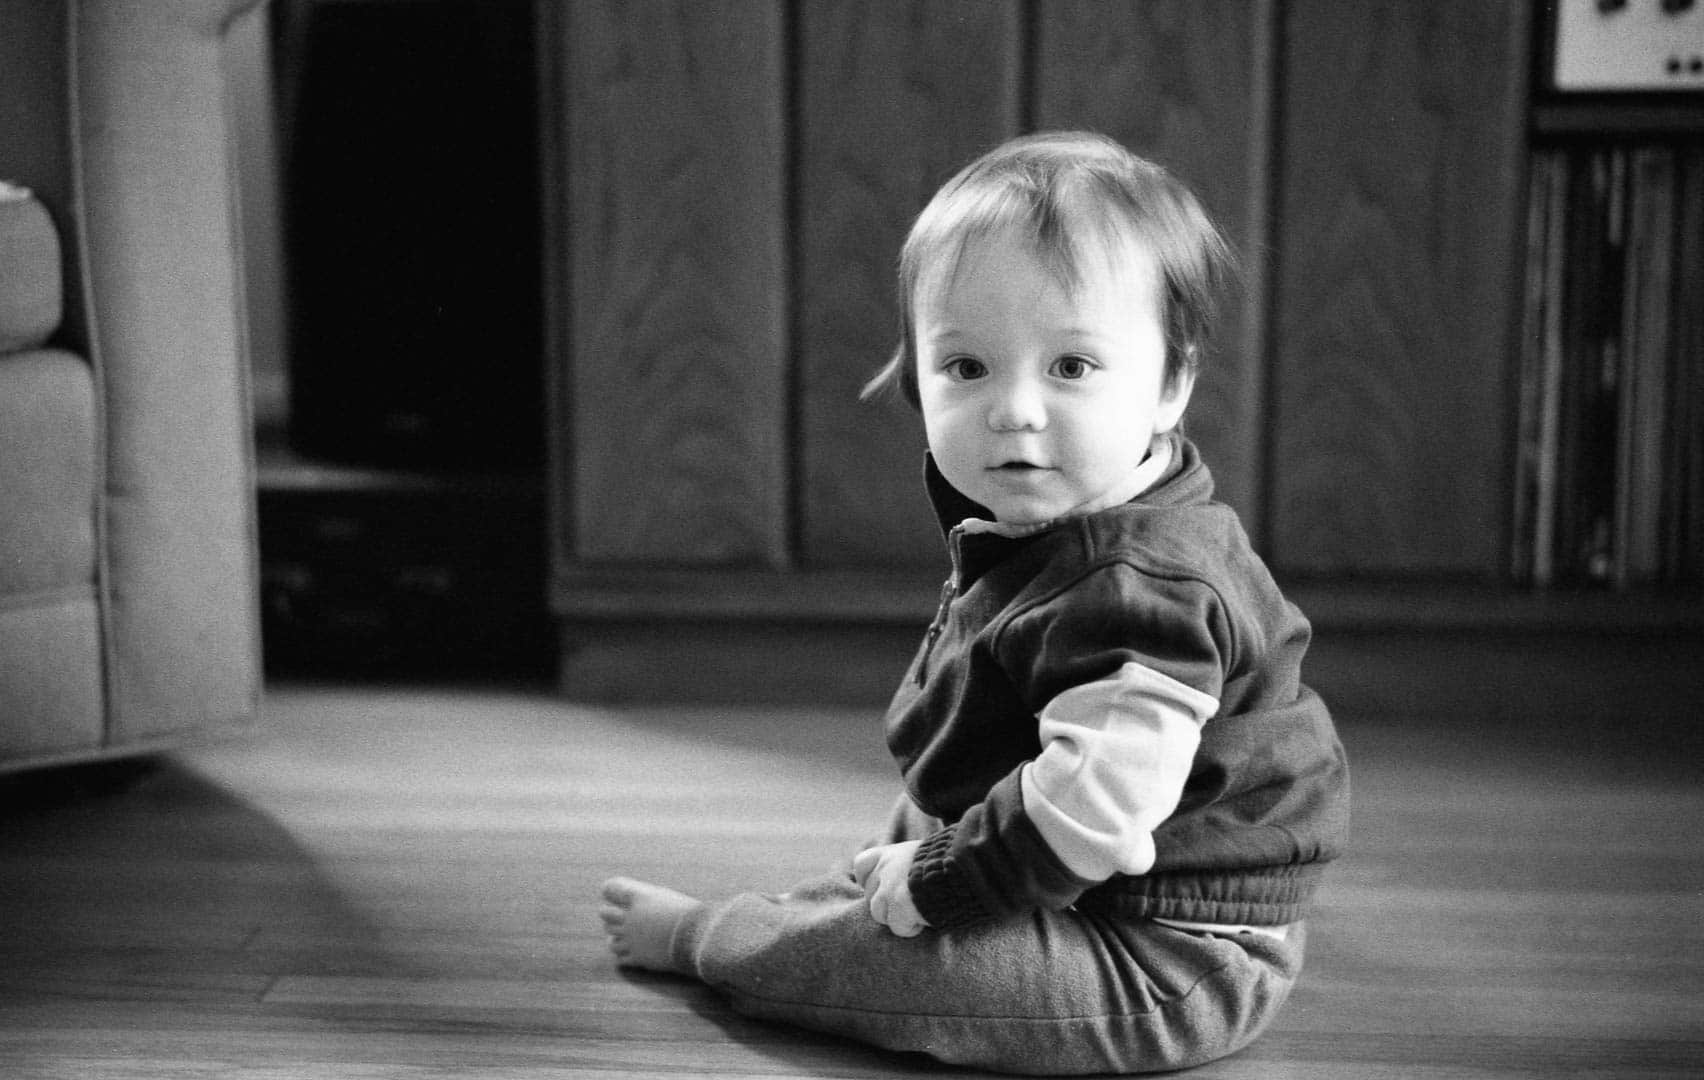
<point>731,181</point>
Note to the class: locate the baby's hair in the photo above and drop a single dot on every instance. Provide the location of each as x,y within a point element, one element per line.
<point>1074,193</point>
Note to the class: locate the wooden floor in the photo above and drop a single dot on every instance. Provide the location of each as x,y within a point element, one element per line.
<point>401,882</point>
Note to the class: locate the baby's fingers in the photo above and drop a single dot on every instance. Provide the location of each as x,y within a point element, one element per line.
<point>863,865</point>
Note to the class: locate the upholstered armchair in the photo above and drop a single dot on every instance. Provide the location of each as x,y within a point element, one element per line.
<point>128,610</point>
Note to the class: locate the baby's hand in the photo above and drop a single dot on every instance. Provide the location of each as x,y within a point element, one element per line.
<point>882,873</point>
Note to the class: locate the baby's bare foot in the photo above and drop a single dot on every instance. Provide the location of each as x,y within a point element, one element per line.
<point>640,919</point>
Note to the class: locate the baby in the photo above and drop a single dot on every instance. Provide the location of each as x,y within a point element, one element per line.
<point>1119,795</point>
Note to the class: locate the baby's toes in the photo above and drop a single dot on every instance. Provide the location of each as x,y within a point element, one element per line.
<point>620,891</point>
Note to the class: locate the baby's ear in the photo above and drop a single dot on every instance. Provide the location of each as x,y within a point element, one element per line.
<point>1174,398</point>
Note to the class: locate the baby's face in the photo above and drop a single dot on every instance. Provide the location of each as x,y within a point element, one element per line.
<point>1039,402</point>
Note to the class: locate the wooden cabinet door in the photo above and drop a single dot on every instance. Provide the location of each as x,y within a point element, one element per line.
<point>893,99</point>
<point>672,379</point>
<point>1400,145</point>
<point>1186,83</point>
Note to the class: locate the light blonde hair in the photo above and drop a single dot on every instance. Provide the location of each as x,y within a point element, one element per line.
<point>1074,194</point>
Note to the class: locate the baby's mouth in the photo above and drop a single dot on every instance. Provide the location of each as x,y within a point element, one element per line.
<point>1017,466</point>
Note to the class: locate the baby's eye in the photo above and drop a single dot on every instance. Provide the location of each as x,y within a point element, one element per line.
<point>1072,367</point>
<point>965,368</point>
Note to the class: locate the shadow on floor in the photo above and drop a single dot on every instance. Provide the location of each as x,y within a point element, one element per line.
<point>144,879</point>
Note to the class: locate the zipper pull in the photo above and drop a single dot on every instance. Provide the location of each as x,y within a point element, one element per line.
<point>949,590</point>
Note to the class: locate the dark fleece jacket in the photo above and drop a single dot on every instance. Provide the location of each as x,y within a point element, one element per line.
<point>1168,581</point>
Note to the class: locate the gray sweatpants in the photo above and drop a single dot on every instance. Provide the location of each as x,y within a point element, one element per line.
<point>1062,993</point>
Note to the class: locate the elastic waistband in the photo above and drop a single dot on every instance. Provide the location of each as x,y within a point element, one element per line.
<point>1259,896</point>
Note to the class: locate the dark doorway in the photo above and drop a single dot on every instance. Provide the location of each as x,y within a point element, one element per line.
<point>412,232</point>
<point>402,513</point>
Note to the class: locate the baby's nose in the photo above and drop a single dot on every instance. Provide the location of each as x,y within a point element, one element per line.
<point>1021,406</point>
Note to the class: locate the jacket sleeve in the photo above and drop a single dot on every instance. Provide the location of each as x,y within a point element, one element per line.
<point>1125,671</point>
